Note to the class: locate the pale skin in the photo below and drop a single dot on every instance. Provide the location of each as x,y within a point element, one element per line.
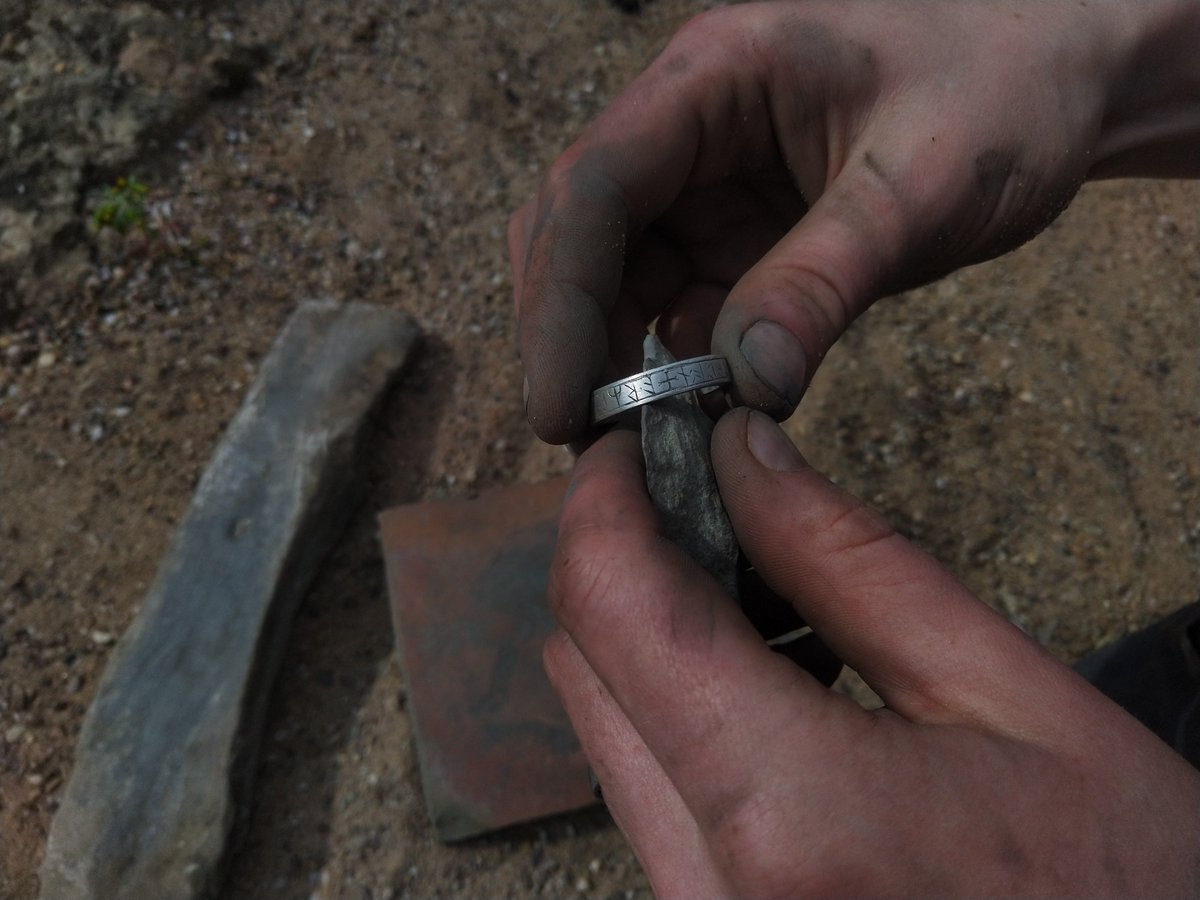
<point>774,172</point>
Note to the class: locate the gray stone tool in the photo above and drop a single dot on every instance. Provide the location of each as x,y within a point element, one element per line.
<point>165,760</point>
<point>676,434</point>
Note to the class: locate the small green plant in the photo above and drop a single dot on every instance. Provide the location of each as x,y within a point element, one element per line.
<point>123,207</point>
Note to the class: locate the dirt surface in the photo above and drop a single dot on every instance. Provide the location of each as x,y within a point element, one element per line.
<point>1032,422</point>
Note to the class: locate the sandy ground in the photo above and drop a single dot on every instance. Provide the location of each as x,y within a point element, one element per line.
<point>1032,421</point>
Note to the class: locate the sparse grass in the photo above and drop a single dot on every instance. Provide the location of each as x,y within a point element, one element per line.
<point>123,207</point>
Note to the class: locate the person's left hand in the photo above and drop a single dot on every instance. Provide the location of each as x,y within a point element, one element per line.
<point>994,769</point>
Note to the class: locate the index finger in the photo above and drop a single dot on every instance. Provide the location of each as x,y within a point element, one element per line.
<point>568,245</point>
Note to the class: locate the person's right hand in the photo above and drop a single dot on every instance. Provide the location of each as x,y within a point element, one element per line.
<point>782,165</point>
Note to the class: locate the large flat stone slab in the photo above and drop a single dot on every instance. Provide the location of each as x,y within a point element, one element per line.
<point>468,585</point>
<point>167,752</point>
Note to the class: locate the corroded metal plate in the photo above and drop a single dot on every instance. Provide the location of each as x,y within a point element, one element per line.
<point>467,581</point>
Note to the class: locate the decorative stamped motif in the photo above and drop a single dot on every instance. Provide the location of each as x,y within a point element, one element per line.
<point>680,377</point>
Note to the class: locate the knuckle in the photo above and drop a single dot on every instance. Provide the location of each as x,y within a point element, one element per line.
<point>724,42</point>
<point>745,834</point>
<point>703,28</point>
<point>852,529</point>
<point>582,575</point>
<point>757,839</point>
<point>823,304</point>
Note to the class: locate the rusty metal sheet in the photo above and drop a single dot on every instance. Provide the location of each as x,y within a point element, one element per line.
<point>467,580</point>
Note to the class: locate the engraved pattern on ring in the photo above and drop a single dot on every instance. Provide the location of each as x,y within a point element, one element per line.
<point>655,384</point>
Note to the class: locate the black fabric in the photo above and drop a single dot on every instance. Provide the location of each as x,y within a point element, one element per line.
<point>1155,675</point>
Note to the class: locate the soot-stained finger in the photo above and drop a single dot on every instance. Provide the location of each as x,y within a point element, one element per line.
<point>571,281</point>
<point>665,130</point>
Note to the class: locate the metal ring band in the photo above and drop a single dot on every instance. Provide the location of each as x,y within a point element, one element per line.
<point>675,378</point>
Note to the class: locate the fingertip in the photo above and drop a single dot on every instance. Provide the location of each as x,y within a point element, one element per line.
<point>627,423</point>
<point>749,450</point>
<point>770,444</point>
<point>558,413</point>
<point>557,430</point>
<point>767,363</point>
<point>729,438</point>
<point>564,347</point>
<point>777,358</point>
<point>608,484</point>
<point>729,427</point>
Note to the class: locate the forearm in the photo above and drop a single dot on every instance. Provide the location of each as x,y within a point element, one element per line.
<point>1152,124</point>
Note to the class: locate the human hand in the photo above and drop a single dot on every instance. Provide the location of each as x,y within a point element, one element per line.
<point>993,769</point>
<point>782,165</point>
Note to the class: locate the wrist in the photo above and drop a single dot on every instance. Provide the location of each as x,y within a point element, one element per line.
<point>1151,125</point>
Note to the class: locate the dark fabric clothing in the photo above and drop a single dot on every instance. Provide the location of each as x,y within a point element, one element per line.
<point>1155,675</point>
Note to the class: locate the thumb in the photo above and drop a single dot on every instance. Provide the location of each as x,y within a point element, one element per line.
<point>785,312</point>
<point>929,647</point>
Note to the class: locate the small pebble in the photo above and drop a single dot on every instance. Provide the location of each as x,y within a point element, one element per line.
<point>13,734</point>
<point>46,360</point>
<point>103,638</point>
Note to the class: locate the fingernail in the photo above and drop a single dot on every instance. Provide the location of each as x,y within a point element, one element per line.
<point>770,445</point>
<point>776,357</point>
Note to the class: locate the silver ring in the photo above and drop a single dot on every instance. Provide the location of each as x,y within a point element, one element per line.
<point>675,378</point>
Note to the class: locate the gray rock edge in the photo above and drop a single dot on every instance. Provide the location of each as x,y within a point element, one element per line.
<point>676,441</point>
